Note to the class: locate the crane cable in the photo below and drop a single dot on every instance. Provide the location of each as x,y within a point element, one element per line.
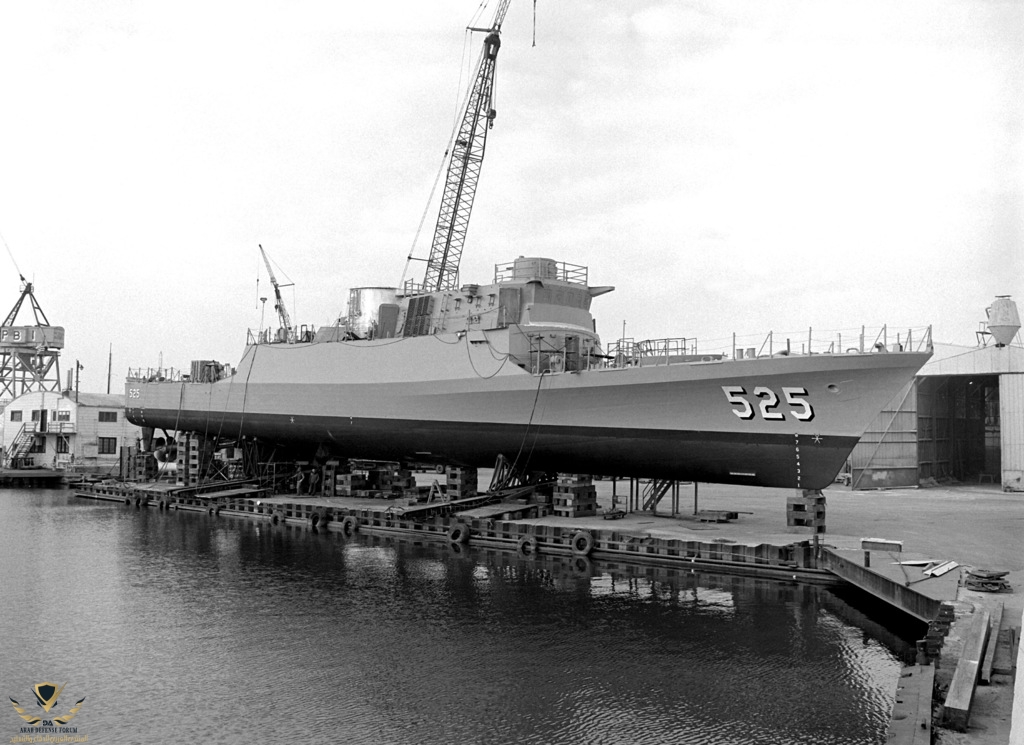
<point>460,106</point>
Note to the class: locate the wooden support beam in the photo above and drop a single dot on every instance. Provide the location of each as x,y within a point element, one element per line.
<point>957,709</point>
<point>990,648</point>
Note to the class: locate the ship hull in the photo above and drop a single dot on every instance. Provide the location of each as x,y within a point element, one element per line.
<point>782,421</point>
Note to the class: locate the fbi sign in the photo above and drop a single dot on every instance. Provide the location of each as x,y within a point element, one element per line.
<point>49,337</point>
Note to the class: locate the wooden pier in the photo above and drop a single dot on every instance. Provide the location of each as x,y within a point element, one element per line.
<point>512,526</point>
<point>25,478</point>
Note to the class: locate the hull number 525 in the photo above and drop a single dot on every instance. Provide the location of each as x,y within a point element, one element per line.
<point>768,404</point>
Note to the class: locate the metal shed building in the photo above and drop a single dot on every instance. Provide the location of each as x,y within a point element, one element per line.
<point>961,418</point>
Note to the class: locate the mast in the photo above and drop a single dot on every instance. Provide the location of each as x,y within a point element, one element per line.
<point>467,155</point>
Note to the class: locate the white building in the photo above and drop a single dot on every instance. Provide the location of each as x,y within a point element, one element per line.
<point>61,430</point>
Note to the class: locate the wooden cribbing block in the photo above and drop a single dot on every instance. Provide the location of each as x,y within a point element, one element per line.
<point>990,648</point>
<point>957,709</point>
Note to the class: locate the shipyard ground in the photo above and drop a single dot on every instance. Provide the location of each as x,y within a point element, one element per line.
<point>977,526</point>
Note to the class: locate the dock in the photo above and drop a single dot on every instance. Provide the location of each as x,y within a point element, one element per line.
<point>480,520</point>
<point>904,586</point>
<point>26,478</point>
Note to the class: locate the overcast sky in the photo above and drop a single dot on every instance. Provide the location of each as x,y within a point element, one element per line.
<point>729,166</point>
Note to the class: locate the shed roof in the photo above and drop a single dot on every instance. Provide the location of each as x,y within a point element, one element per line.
<point>953,359</point>
<point>106,400</point>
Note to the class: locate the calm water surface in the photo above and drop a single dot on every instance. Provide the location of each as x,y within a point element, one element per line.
<point>180,627</point>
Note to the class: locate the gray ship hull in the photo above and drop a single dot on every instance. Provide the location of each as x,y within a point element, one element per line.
<point>781,421</point>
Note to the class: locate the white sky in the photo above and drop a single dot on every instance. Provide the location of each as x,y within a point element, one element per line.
<point>729,166</point>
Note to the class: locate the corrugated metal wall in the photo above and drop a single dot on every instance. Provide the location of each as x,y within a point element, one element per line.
<point>886,455</point>
<point>1011,414</point>
<point>933,415</point>
<point>958,428</point>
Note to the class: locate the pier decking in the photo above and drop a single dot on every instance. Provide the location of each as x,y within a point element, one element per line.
<point>31,477</point>
<point>512,526</point>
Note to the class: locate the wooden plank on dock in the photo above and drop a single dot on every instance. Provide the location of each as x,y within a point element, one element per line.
<point>423,511</point>
<point>990,648</point>
<point>716,516</point>
<point>956,712</point>
<point>250,491</point>
<point>1005,655</point>
<point>911,720</point>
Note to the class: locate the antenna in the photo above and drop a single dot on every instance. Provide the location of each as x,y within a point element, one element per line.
<point>20,275</point>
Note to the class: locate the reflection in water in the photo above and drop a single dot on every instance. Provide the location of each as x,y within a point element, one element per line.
<point>180,626</point>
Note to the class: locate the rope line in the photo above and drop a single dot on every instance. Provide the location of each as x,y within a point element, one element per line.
<point>529,423</point>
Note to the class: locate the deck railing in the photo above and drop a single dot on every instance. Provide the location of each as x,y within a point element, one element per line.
<point>852,341</point>
<point>628,352</point>
<point>154,375</point>
<point>564,272</point>
<point>301,334</point>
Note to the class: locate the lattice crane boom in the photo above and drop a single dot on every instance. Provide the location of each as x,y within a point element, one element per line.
<point>282,312</point>
<point>467,156</point>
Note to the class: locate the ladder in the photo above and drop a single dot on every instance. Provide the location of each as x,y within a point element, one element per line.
<point>654,492</point>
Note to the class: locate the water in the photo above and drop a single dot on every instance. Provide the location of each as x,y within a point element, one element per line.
<point>181,627</point>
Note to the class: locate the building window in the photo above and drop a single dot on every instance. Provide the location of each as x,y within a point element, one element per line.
<point>38,445</point>
<point>108,446</point>
<point>62,444</point>
<point>108,416</point>
<point>16,416</point>
<point>36,415</point>
<point>63,416</point>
